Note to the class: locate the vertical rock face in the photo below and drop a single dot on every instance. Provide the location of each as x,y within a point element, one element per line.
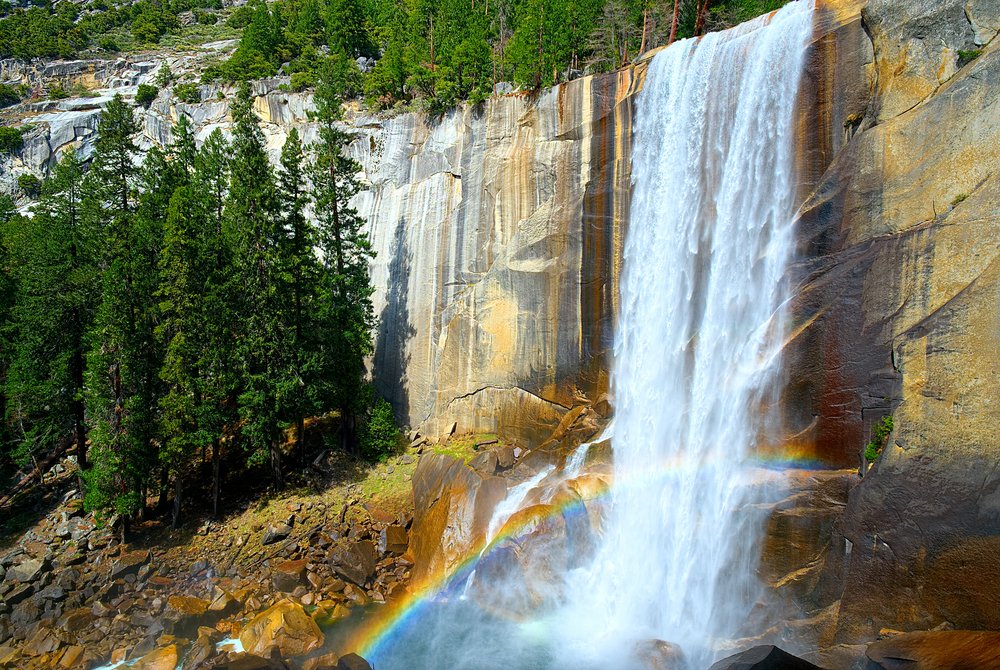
<point>900,308</point>
<point>498,233</point>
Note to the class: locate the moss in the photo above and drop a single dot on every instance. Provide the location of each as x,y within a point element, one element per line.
<point>960,198</point>
<point>882,431</point>
<point>967,56</point>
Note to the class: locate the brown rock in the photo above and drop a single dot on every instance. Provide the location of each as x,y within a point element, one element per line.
<point>76,620</point>
<point>936,650</point>
<point>505,456</point>
<point>72,657</point>
<point>183,615</point>
<point>43,641</point>
<point>484,462</point>
<point>393,540</point>
<point>324,662</point>
<point>164,658</point>
<point>353,561</point>
<point>288,575</point>
<point>286,626</point>
<point>129,563</point>
<point>353,662</point>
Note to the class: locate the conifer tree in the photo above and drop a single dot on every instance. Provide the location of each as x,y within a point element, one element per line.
<point>122,364</point>
<point>54,265</point>
<point>253,218</point>
<point>346,291</point>
<point>298,282</point>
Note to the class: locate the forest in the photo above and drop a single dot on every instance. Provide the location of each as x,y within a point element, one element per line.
<point>438,52</point>
<point>187,315</point>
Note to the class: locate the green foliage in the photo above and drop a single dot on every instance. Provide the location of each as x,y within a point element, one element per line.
<point>967,56</point>
<point>187,92</point>
<point>380,434</point>
<point>57,92</point>
<point>29,184</point>
<point>164,76</point>
<point>145,94</point>
<point>882,431</point>
<point>12,94</point>
<point>959,199</point>
<point>303,80</point>
<point>11,140</point>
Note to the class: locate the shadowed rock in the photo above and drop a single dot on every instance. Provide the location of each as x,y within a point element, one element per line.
<point>937,650</point>
<point>764,657</point>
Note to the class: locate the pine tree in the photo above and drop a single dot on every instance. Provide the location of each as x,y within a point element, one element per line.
<point>122,363</point>
<point>345,302</point>
<point>252,216</point>
<point>218,381</point>
<point>53,261</point>
<point>298,283</point>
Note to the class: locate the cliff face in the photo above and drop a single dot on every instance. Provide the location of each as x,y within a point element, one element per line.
<point>905,229</point>
<point>498,233</point>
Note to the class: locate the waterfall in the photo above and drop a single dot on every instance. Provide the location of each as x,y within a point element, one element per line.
<point>702,291</point>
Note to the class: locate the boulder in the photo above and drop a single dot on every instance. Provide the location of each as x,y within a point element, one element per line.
<point>353,561</point>
<point>936,650</point>
<point>184,615</point>
<point>484,462</point>
<point>276,533</point>
<point>27,571</point>
<point>505,456</point>
<point>288,575</point>
<point>393,540</point>
<point>129,563</point>
<point>353,662</point>
<point>764,657</point>
<point>285,626</point>
<point>165,658</point>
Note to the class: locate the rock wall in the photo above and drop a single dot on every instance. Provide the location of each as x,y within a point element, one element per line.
<point>498,232</point>
<point>901,312</point>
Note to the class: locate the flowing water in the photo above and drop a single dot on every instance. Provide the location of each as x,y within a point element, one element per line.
<point>708,244</point>
<point>701,326</point>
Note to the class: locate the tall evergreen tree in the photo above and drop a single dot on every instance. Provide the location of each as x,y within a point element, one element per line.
<point>122,363</point>
<point>299,284</point>
<point>53,258</point>
<point>253,218</point>
<point>346,292</point>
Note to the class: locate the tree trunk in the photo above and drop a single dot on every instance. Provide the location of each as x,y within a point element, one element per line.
<point>699,24</point>
<point>673,22</point>
<point>178,490</point>
<point>216,471</point>
<point>645,30</point>
<point>276,463</point>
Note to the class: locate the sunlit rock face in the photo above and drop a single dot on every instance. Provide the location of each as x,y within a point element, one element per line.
<point>498,233</point>
<point>900,309</point>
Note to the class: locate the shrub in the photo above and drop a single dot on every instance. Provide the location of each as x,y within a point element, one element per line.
<point>241,17</point>
<point>882,430</point>
<point>379,434</point>
<point>164,76</point>
<point>145,95</point>
<point>959,199</point>
<point>29,184</point>
<point>109,44</point>
<point>188,92</point>
<point>966,57</point>
<point>303,80</point>
<point>11,140</point>
<point>57,92</point>
<point>206,18</point>
<point>11,95</point>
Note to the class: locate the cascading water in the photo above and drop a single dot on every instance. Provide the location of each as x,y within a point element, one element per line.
<point>708,244</point>
<point>701,326</point>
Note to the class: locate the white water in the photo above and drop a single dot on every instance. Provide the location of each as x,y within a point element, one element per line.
<point>707,247</point>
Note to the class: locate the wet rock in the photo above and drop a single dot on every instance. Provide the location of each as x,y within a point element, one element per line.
<point>165,658</point>
<point>76,620</point>
<point>286,626</point>
<point>353,662</point>
<point>72,657</point>
<point>393,540</point>
<point>43,641</point>
<point>936,650</point>
<point>505,456</point>
<point>659,655</point>
<point>288,575</point>
<point>276,533</point>
<point>184,615</point>
<point>764,657</point>
<point>353,561</point>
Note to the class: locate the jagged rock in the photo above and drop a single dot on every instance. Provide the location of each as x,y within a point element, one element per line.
<point>28,571</point>
<point>288,575</point>
<point>285,626</point>
<point>484,462</point>
<point>936,650</point>
<point>353,561</point>
<point>764,657</point>
<point>276,533</point>
<point>165,658</point>
<point>353,662</point>
<point>129,564</point>
<point>659,655</point>
<point>393,540</point>
<point>185,614</point>
<point>76,620</point>
<point>505,456</point>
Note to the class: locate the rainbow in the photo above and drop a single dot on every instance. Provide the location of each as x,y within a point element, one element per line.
<point>372,636</point>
